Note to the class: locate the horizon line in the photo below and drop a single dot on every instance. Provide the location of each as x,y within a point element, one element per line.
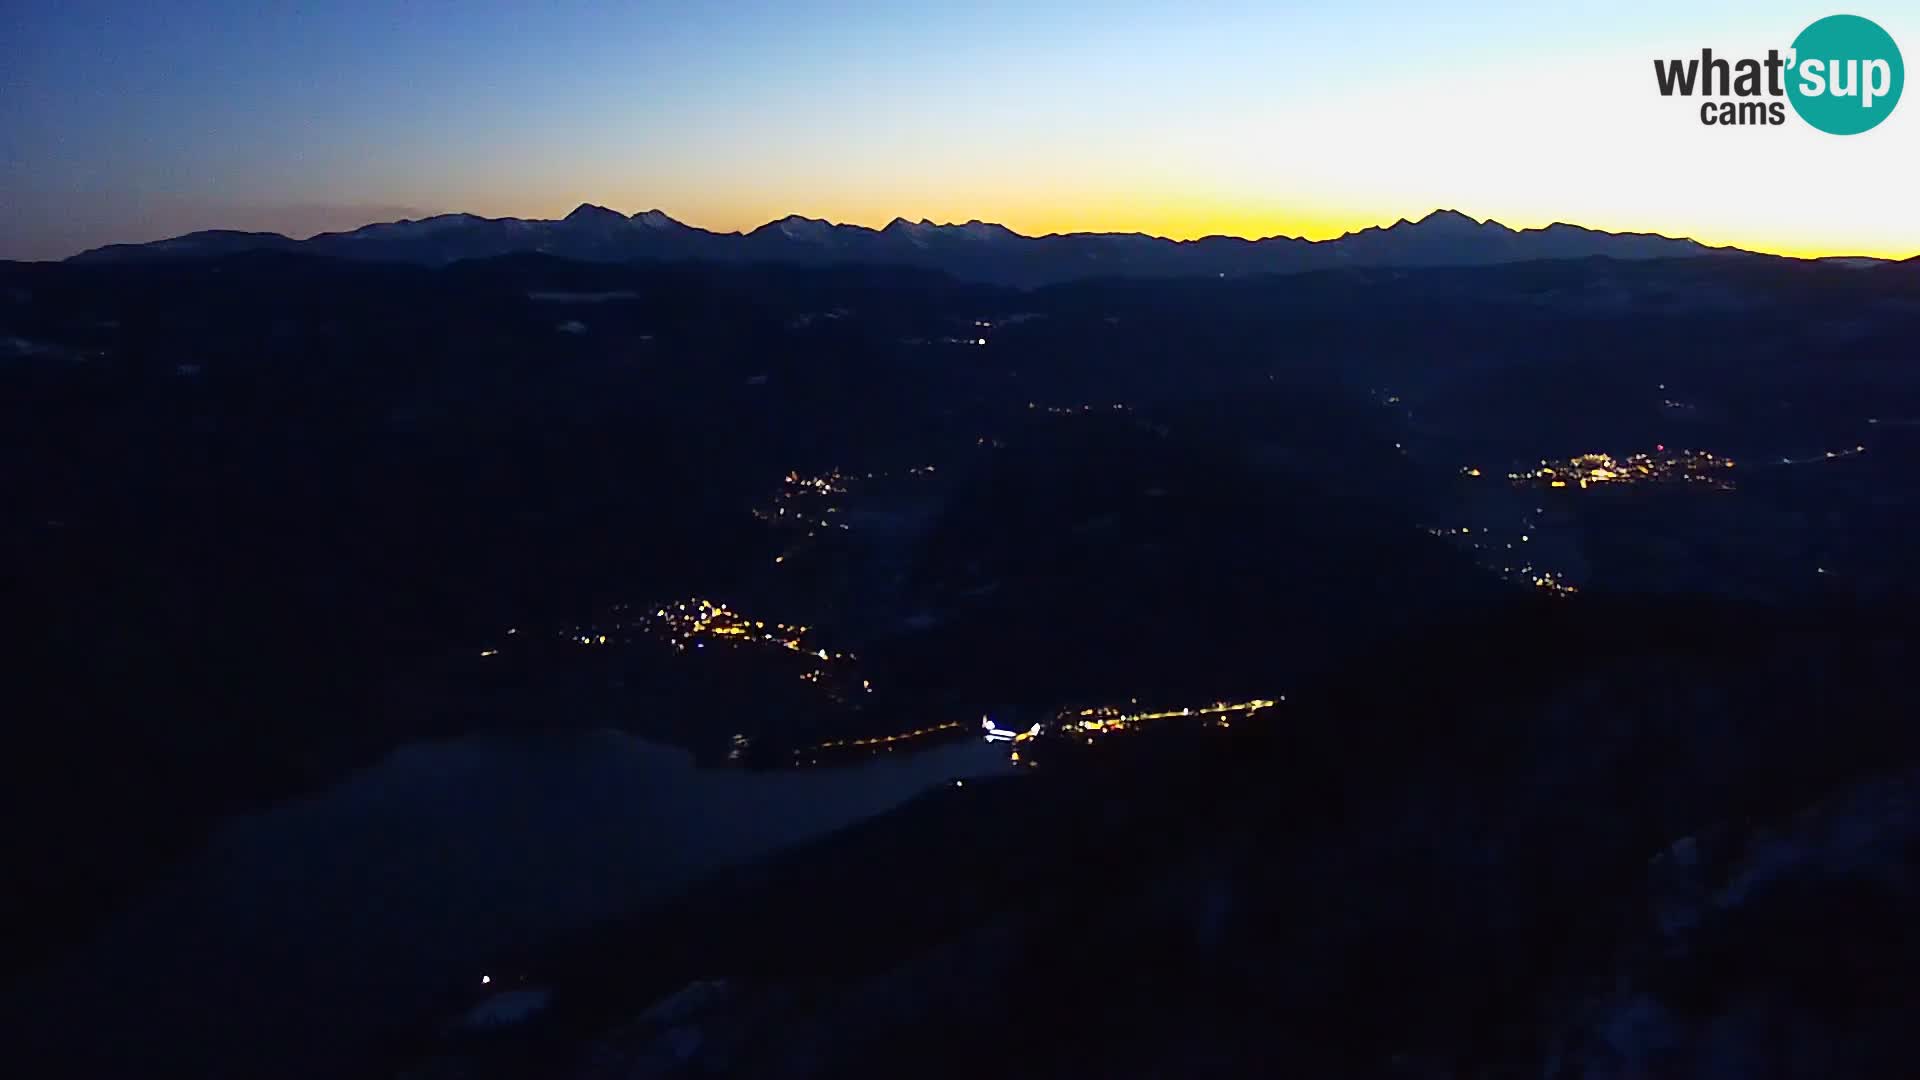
<point>901,218</point>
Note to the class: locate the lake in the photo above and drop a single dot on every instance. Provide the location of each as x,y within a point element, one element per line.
<point>301,931</point>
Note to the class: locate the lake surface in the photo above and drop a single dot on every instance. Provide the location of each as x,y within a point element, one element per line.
<point>301,931</point>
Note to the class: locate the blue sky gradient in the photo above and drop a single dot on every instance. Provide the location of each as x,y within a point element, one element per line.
<point>132,120</point>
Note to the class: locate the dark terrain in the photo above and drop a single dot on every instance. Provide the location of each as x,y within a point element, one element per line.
<point>273,514</point>
<point>974,251</point>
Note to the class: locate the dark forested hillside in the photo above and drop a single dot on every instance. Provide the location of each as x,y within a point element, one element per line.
<point>270,516</point>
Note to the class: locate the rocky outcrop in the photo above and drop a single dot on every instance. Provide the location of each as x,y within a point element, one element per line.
<point>1780,950</point>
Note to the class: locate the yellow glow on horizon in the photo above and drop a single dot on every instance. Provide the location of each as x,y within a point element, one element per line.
<point>1050,116</point>
<point>1174,218</point>
<point>1604,151</point>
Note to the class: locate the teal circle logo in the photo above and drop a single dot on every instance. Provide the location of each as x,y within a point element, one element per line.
<point>1846,75</point>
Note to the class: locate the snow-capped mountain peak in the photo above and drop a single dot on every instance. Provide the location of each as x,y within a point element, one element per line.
<point>986,230</point>
<point>588,213</point>
<point>795,227</point>
<point>975,250</point>
<point>1449,220</point>
<point>917,233</point>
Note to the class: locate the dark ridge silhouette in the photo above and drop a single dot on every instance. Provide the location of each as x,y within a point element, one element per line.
<point>974,251</point>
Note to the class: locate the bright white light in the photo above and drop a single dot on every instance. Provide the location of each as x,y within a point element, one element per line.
<point>485,979</point>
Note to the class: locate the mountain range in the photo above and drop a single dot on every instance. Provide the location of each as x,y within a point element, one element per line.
<point>974,251</point>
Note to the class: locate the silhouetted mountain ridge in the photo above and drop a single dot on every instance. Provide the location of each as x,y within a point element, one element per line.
<point>974,251</point>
